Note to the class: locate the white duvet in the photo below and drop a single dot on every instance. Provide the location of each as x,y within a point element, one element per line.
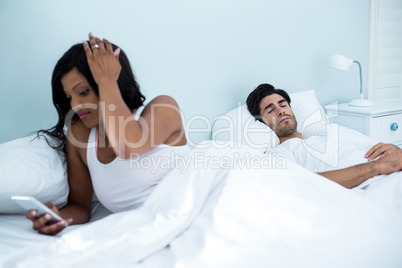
<point>238,216</point>
<point>335,147</point>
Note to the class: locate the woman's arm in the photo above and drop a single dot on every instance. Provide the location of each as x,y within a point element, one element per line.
<point>159,120</point>
<point>79,179</point>
<point>79,203</point>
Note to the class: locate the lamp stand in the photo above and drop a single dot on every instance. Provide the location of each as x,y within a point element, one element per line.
<point>361,102</point>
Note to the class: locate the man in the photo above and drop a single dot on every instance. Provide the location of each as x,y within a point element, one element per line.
<point>272,107</point>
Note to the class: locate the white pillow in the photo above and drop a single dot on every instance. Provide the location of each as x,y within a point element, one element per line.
<point>30,166</point>
<point>239,127</point>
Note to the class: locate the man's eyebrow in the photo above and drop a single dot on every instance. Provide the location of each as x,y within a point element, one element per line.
<point>271,104</point>
<point>282,101</point>
<point>268,106</point>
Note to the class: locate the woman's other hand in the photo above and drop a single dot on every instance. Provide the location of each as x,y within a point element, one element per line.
<point>42,225</point>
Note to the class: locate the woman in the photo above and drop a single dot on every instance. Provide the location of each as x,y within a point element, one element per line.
<point>97,98</point>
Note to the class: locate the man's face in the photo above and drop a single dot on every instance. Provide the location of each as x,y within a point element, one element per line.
<point>277,114</point>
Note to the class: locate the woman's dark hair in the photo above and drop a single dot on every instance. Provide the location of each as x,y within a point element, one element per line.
<point>255,97</point>
<point>75,57</point>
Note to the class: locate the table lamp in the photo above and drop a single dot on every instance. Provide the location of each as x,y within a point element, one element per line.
<point>342,63</point>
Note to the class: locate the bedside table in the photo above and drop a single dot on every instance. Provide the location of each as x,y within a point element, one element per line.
<point>382,122</point>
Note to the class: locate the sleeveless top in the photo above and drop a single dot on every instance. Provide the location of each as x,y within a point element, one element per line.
<point>125,184</point>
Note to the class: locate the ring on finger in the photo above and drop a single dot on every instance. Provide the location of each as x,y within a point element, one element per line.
<point>95,46</point>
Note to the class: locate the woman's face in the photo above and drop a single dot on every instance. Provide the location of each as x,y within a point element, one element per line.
<point>82,97</point>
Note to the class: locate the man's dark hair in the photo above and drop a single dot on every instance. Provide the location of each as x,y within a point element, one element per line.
<point>255,97</point>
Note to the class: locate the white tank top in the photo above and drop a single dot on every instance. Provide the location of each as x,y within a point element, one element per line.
<point>125,184</point>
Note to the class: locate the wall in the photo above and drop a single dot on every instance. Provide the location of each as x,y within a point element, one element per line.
<point>207,54</point>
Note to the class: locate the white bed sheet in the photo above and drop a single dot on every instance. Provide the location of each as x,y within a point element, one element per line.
<point>232,217</point>
<point>16,231</point>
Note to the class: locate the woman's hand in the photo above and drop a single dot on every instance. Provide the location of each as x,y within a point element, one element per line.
<point>41,224</point>
<point>102,60</point>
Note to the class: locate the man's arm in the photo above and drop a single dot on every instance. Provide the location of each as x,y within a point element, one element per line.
<point>350,177</point>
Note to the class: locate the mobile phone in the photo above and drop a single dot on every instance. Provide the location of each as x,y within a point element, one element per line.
<point>29,202</point>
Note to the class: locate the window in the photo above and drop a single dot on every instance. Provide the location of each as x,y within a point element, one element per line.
<point>385,65</point>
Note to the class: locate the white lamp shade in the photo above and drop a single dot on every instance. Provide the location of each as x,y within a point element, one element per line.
<point>340,62</point>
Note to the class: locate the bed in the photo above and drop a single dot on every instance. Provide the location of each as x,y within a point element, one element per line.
<point>230,206</point>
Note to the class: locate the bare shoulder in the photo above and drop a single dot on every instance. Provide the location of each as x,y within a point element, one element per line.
<point>164,105</point>
<point>168,119</point>
<point>163,99</point>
